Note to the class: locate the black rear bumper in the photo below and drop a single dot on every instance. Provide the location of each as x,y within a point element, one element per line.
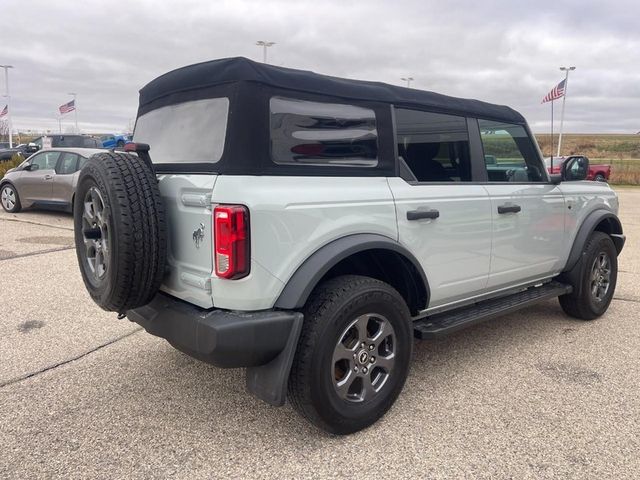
<point>221,337</point>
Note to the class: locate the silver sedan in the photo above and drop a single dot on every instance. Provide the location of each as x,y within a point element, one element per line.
<point>46,179</point>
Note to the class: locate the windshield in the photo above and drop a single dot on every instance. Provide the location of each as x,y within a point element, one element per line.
<point>190,132</point>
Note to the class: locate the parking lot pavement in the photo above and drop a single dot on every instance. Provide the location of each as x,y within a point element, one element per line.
<point>531,395</point>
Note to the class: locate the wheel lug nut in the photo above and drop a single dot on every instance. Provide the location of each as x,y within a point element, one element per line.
<point>371,347</point>
<point>362,344</point>
<point>372,359</point>
<point>355,369</point>
<point>364,370</point>
<point>355,356</point>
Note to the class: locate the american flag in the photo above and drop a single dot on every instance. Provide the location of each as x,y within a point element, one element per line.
<point>556,92</point>
<point>67,107</point>
<point>4,111</point>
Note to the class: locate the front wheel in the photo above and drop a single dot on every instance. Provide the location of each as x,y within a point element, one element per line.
<point>353,356</point>
<point>10,199</point>
<point>597,283</point>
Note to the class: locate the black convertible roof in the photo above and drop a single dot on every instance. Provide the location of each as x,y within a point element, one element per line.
<point>232,70</point>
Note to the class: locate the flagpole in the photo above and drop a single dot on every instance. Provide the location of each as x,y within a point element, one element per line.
<point>75,110</point>
<point>564,99</point>
<point>552,136</point>
<point>6,78</point>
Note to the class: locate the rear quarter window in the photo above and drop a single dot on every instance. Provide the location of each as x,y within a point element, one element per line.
<point>189,132</point>
<point>322,134</point>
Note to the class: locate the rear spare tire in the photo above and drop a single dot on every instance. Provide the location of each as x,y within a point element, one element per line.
<point>120,231</point>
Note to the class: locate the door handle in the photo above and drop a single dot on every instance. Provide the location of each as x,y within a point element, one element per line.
<point>48,177</point>
<point>509,208</point>
<point>420,214</point>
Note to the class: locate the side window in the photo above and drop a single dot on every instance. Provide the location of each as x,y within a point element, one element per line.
<point>89,142</point>
<point>322,134</point>
<point>67,164</point>
<point>44,161</point>
<point>81,163</point>
<point>509,153</point>
<point>433,146</point>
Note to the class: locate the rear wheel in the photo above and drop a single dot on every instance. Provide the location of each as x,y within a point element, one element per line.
<point>9,198</point>
<point>593,293</point>
<point>120,232</point>
<point>353,356</point>
<point>600,178</point>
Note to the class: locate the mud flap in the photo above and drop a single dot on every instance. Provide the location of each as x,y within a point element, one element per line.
<point>269,382</point>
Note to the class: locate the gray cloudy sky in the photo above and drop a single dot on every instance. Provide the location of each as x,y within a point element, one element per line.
<point>500,51</point>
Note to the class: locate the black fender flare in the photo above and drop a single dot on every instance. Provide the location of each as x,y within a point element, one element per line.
<point>310,272</point>
<point>587,228</point>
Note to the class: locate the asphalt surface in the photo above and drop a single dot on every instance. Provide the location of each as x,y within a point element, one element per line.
<point>84,395</point>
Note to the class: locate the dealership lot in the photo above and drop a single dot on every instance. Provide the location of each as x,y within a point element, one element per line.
<point>84,395</point>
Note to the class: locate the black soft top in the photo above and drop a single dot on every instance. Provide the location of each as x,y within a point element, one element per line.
<point>175,86</point>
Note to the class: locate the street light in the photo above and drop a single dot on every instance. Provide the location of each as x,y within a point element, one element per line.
<point>408,80</point>
<point>75,109</point>
<point>264,45</point>
<point>566,70</point>
<point>6,78</point>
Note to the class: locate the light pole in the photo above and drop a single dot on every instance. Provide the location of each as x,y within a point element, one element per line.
<point>408,80</point>
<point>566,70</point>
<point>75,109</point>
<point>264,45</point>
<point>6,79</point>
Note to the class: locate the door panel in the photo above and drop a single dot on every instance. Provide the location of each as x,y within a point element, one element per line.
<point>64,179</point>
<point>527,244</point>
<point>454,249</point>
<point>36,185</point>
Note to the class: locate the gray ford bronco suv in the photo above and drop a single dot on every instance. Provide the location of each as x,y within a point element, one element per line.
<point>308,227</point>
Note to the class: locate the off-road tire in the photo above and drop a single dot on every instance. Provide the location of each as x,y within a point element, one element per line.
<point>16,206</point>
<point>135,221</point>
<point>329,310</point>
<point>581,303</point>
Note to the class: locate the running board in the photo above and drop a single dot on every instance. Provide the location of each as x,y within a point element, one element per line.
<point>448,322</point>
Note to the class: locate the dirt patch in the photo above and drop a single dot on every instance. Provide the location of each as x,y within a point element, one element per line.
<point>48,240</point>
<point>4,254</point>
<point>569,373</point>
<point>26,327</point>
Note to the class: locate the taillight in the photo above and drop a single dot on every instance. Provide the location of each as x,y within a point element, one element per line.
<point>231,239</point>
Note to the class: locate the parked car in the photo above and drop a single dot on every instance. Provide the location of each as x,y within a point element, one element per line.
<point>62,141</point>
<point>47,179</point>
<point>4,145</point>
<point>312,232</point>
<point>599,172</point>
<point>114,141</point>
<point>8,153</point>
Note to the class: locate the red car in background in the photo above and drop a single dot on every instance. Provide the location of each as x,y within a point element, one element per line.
<point>597,172</point>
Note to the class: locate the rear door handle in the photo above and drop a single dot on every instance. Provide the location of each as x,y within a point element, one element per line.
<point>420,214</point>
<point>509,208</point>
<point>48,177</point>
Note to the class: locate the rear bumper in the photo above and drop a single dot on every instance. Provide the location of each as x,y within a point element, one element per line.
<point>223,338</point>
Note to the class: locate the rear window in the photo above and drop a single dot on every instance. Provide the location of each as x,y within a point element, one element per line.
<point>322,134</point>
<point>190,132</point>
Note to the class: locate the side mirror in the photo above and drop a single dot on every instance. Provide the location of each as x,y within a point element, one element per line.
<point>32,147</point>
<point>555,178</point>
<point>29,167</point>
<point>575,168</point>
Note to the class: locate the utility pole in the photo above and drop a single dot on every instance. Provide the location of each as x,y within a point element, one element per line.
<point>564,99</point>
<point>408,80</point>
<point>6,79</point>
<point>264,45</point>
<point>75,109</point>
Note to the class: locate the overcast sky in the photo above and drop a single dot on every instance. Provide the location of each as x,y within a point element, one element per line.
<point>505,52</point>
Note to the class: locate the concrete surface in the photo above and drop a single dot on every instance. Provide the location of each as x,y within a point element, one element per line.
<point>84,395</point>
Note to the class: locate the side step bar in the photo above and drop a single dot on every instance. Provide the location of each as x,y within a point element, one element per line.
<point>448,322</point>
